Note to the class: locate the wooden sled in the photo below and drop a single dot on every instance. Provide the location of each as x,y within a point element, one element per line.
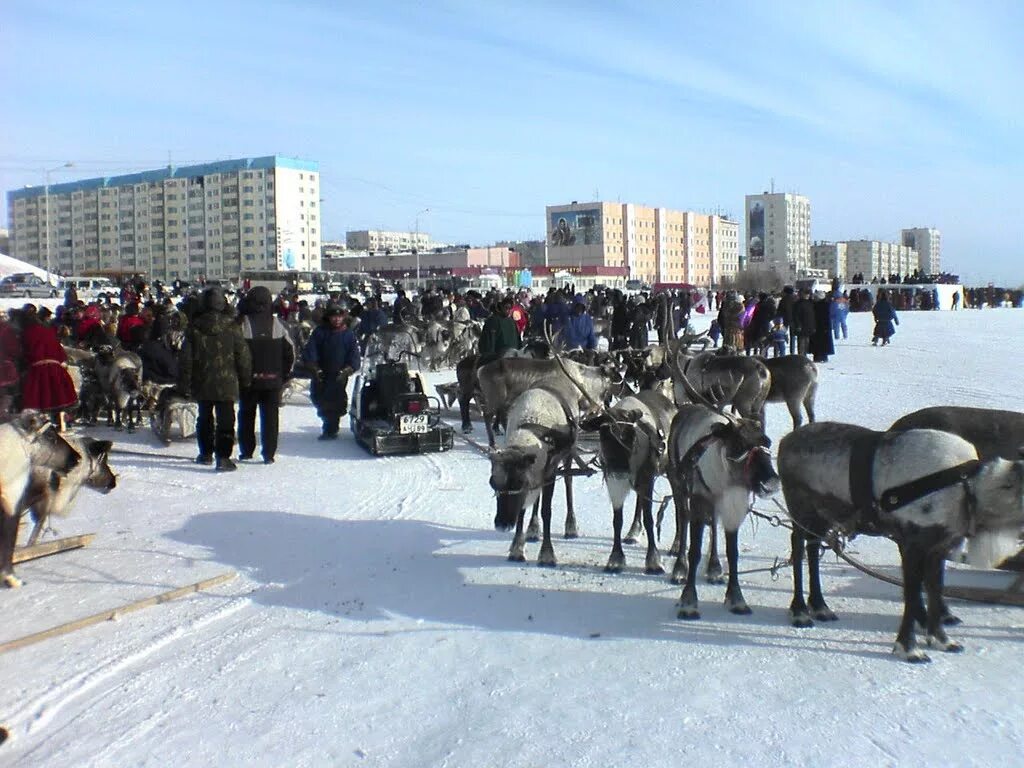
<point>24,554</point>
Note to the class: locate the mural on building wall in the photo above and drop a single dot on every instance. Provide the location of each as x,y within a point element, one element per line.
<point>755,232</point>
<point>576,228</point>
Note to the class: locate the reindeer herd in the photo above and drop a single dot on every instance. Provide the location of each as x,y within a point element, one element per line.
<point>934,479</point>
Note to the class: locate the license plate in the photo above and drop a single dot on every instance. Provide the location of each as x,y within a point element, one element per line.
<point>409,425</point>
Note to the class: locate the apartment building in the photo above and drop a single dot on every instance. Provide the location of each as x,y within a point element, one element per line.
<point>927,241</point>
<point>778,234</point>
<point>214,220</point>
<point>655,245</point>
<point>870,258</point>
<point>379,241</point>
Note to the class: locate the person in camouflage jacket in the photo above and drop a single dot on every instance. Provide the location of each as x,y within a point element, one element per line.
<point>215,364</point>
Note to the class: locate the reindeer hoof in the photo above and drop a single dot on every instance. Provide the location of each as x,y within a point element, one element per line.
<point>467,428</point>
<point>629,540</point>
<point>654,570</point>
<point>740,608</point>
<point>12,582</point>
<point>824,613</point>
<point>678,575</point>
<point>800,620</point>
<point>532,537</point>
<point>516,557</point>
<point>688,614</point>
<point>714,578</point>
<point>950,620</point>
<point>913,656</point>
<point>547,563</point>
<point>947,645</point>
<point>571,533</point>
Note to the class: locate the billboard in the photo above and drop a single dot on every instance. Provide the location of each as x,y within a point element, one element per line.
<point>755,232</point>
<point>575,227</point>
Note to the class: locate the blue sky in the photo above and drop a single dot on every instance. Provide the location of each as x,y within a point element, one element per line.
<point>886,115</point>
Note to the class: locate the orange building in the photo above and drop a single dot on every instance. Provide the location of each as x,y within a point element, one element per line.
<point>655,245</point>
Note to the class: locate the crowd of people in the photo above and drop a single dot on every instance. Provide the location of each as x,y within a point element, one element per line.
<point>239,350</point>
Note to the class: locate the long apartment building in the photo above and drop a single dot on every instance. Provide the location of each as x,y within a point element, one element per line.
<point>213,220</point>
<point>778,234</point>
<point>379,241</point>
<point>870,258</point>
<point>656,245</point>
<point>927,241</point>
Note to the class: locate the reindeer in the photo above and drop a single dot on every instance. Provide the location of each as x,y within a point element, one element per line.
<point>925,489</point>
<point>633,441</point>
<point>794,381</point>
<point>503,380</point>
<point>52,494</point>
<point>739,380</point>
<point>541,436</point>
<point>28,443</point>
<point>436,342</point>
<point>716,461</point>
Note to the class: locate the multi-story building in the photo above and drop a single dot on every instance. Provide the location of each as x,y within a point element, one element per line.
<point>214,220</point>
<point>927,241</point>
<point>379,241</point>
<point>655,245</point>
<point>778,234</point>
<point>870,258</point>
<point>5,241</point>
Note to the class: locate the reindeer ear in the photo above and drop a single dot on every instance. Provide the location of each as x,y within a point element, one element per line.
<point>560,439</point>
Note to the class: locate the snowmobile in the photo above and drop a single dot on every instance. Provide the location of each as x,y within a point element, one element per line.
<point>391,414</point>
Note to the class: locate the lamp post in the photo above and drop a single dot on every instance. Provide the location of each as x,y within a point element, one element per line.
<point>416,245</point>
<point>46,201</point>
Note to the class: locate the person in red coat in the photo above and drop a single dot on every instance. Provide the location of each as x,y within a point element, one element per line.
<point>10,353</point>
<point>131,320</point>
<point>47,385</point>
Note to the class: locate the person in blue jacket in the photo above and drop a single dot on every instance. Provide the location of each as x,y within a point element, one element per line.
<point>333,355</point>
<point>885,317</point>
<point>578,331</point>
<point>372,320</point>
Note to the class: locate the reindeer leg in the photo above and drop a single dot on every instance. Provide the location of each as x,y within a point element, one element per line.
<point>467,425</point>
<point>571,531</point>
<point>819,610</point>
<point>913,571</point>
<point>714,570</point>
<point>489,426</point>
<point>653,562</point>
<point>679,570</point>
<point>733,593</point>
<point>39,518</point>
<point>795,414</point>
<point>533,530</point>
<point>637,525</point>
<point>935,565</point>
<point>547,550</point>
<point>9,521</point>
<point>516,552</point>
<point>798,613</point>
<point>688,606</point>
<point>617,559</point>
<point>948,618</point>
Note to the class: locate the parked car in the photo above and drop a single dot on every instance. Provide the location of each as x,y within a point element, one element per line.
<point>28,285</point>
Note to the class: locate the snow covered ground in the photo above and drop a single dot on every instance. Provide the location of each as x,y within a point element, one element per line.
<point>376,622</point>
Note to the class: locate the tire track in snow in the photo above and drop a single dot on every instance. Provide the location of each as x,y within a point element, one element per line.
<point>39,713</point>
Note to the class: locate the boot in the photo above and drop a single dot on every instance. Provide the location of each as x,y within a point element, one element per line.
<point>226,465</point>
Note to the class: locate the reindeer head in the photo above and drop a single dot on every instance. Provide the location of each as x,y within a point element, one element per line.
<point>101,477</point>
<point>746,450</point>
<point>517,475</point>
<point>998,490</point>
<point>45,446</point>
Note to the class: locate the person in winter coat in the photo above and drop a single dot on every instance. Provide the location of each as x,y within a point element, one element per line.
<point>215,366</point>
<point>820,345</point>
<point>273,356</point>
<point>620,322</point>
<point>838,312</point>
<point>159,363</point>
<point>785,309</point>
<point>885,317</point>
<point>760,325</point>
<point>499,333</point>
<point>47,385</point>
<point>373,319</point>
<point>803,322</point>
<point>332,352</point>
<point>10,355</point>
<point>519,317</point>
<point>729,318</point>
<point>91,332</point>
<point>578,332</point>
<point>639,327</point>
<point>130,320</point>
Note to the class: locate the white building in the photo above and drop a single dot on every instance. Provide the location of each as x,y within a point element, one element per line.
<point>379,241</point>
<point>870,258</point>
<point>214,220</point>
<point>778,234</point>
<point>927,241</point>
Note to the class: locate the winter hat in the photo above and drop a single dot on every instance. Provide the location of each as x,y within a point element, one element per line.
<point>213,299</point>
<point>258,300</point>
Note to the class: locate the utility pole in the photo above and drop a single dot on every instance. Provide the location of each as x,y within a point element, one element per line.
<point>416,246</point>
<point>46,201</point>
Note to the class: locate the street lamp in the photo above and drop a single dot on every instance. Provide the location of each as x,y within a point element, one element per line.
<point>416,245</point>
<point>46,200</point>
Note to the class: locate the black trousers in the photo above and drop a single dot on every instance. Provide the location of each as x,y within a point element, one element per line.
<point>269,403</point>
<point>215,428</point>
